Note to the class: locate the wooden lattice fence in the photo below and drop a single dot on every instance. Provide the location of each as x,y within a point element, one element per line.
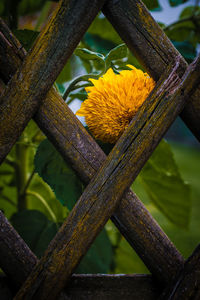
<point>29,94</point>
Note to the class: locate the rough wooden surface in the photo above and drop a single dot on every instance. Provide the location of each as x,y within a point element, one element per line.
<point>112,287</point>
<point>98,287</point>
<point>21,260</point>
<point>151,46</point>
<point>103,193</point>
<point>76,145</point>
<point>6,292</point>
<point>16,259</point>
<point>187,284</point>
<point>41,67</point>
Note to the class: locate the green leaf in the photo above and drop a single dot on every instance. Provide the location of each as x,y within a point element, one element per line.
<point>30,6</point>
<point>117,53</point>
<point>1,8</point>
<point>102,27</point>
<point>41,197</point>
<point>36,230</point>
<point>153,5</point>
<point>26,37</point>
<point>8,192</point>
<point>99,257</point>
<point>97,43</point>
<point>127,261</point>
<point>54,170</point>
<point>65,74</point>
<point>82,95</point>
<point>186,49</point>
<point>177,2</point>
<point>184,32</point>
<point>165,187</point>
<point>86,54</point>
<point>189,11</point>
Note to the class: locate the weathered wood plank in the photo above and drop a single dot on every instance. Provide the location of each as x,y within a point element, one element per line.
<point>112,287</point>
<point>152,47</point>
<point>103,193</point>
<point>41,66</point>
<point>98,287</point>
<point>6,292</point>
<point>16,259</point>
<point>187,284</point>
<point>77,147</point>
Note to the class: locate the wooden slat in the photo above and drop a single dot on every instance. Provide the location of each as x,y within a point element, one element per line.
<point>41,67</point>
<point>187,284</point>
<point>15,255</point>
<point>151,46</point>
<point>76,145</point>
<point>103,193</point>
<point>112,287</point>
<point>16,259</point>
<point>98,287</point>
<point>6,292</point>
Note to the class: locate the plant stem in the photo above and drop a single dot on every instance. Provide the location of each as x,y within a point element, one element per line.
<point>28,182</point>
<point>46,205</point>
<point>21,170</point>
<point>78,79</point>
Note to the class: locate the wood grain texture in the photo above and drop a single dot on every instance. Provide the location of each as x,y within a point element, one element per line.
<point>81,151</point>
<point>41,67</point>
<point>98,287</point>
<point>151,46</point>
<point>103,193</point>
<point>112,287</point>
<point>6,291</point>
<point>16,259</point>
<point>187,284</point>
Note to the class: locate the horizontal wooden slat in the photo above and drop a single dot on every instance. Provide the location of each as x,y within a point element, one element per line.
<point>41,67</point>
<point>103,193</point>
<point>76,145</point>
<point>98,287</point>
<point>112,287</point>
<point>151,46</point>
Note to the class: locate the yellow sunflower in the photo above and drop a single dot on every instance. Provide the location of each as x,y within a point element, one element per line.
<point>113,100</point>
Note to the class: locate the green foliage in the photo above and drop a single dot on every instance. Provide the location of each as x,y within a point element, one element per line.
<point>117,54</point>
<point>86,54</point>
<point>54,170</point>
<point>99,257</point>
<point>152,5</point>
<point>8,191</point>
<point>26,37</point>
<point>103,30</point>
<point>177,2</point>
<point>36,230</point>
<point>187,50</point>
<point>99,64</point>
<point>185,32</point>
<point>162,181</point>
<point>30,6</point>
<point>68,188</point>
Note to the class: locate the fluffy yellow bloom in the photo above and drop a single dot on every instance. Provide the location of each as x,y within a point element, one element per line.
<point>113,100</point>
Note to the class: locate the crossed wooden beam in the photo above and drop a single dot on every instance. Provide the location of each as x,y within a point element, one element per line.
<point>106,194</point>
